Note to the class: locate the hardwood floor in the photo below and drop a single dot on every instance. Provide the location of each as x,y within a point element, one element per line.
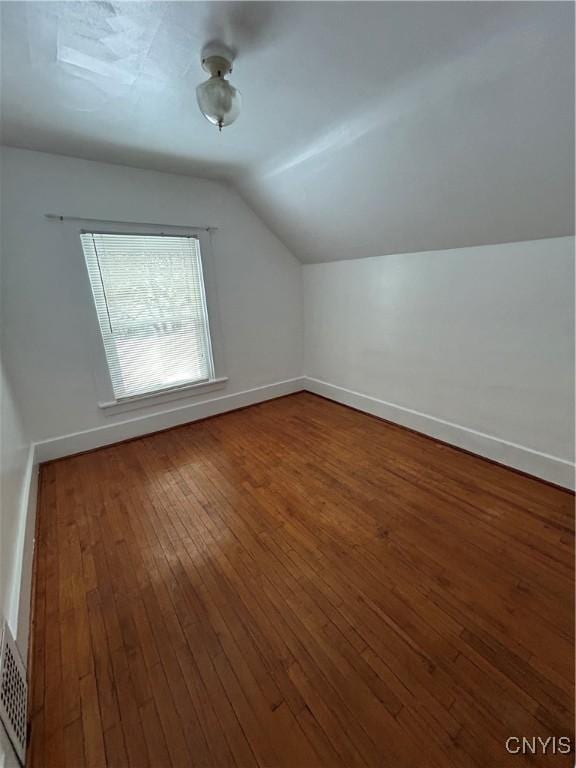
<point>297,584</point>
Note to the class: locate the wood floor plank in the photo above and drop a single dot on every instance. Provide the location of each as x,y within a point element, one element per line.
<point>297,584</point>
<point>116,756</point>
<point>94,753</point>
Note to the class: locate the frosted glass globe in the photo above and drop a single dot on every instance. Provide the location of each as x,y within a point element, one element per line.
<point>219,101</point>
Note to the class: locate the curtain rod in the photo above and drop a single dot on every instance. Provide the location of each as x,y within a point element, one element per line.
<point>58,217</point>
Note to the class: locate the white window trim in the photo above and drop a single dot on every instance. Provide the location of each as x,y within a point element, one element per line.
<point>106,400</point>
<point>164,395</point>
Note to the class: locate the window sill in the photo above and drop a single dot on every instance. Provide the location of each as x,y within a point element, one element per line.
<point>165,396</point>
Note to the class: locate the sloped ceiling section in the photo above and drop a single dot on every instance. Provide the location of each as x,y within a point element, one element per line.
<point>367,128</point>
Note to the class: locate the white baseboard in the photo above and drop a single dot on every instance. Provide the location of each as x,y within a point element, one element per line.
<point>542,465</point>
<point>22,584</point>
<point>67,445</point>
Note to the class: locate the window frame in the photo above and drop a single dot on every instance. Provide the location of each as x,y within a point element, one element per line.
<point>106,398</point>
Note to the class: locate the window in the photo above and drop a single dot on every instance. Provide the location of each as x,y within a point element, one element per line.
<point>151,305</point>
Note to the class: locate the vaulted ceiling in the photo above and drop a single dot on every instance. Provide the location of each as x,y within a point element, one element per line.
<point>367,127</point>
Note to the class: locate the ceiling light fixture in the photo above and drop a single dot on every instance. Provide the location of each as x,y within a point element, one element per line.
<point>218,100</point>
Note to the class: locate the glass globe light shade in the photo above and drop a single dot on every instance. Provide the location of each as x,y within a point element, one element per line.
<point>219,101</point>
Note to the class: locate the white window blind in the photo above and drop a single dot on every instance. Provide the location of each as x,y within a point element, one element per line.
<point>151,305</point>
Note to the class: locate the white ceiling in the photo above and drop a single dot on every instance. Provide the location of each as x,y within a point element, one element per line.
<point>367,127</point>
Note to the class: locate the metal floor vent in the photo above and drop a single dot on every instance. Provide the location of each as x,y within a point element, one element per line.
<point>13,693</point>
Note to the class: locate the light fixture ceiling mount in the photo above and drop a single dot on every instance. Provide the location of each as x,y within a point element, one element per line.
<point>218,100</point>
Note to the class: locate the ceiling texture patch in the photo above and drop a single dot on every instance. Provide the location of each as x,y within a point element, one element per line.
<point>112,51</point>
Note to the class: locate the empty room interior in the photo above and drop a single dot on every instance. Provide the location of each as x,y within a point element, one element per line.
<point>287,384</point>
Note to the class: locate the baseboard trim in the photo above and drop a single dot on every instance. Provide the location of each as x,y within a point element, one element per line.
<point>20,600</point>
<point>98,437</point>
<point>541,465</point>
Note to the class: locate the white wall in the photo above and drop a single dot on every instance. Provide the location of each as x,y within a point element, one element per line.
<point>14,477</point>
<point>480,337</point>
<point>16,489</point>
<point>51,329</point>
